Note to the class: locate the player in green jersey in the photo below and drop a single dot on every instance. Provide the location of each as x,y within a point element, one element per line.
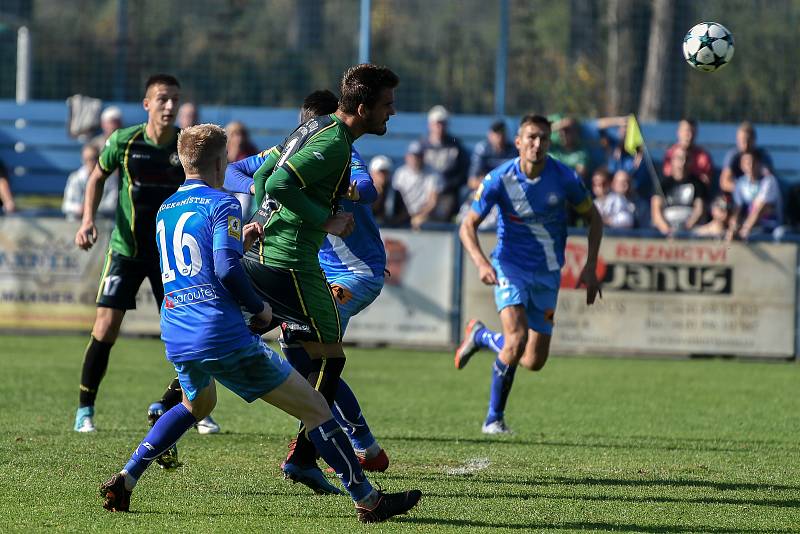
<point>149,172</point>
<point>307,179</point>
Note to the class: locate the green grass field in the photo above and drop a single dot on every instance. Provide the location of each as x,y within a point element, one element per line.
<point>600,444</point>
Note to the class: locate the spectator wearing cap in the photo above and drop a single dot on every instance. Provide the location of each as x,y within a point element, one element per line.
<point>446,155</point>
<point>731,166</point>
<point>75,190</point>
<point>389,208</point>
<point>188,115</point>
<point>419,185</point>
<point>699,160</point>
<point>568,148</point>
<point>490,153</point>
<point>719,224</point>
<point>110,120</point>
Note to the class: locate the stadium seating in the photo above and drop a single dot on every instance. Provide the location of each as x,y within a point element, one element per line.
<point>39,153</point>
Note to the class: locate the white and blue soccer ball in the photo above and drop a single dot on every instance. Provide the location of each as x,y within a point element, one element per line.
<point>708,46</point>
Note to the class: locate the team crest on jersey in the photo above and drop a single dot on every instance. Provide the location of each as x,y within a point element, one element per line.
<point>174,160</point>
<point>234,227</point>
<point>552,199</point>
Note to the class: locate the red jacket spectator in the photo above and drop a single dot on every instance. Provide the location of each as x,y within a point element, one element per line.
<point>698,160</point>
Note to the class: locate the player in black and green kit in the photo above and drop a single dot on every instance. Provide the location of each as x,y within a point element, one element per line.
<point>146,159</point>
<point>307,179</point>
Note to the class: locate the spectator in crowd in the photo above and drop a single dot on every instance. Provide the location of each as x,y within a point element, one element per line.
<point>700,163</point>
<point>188,115</point>
<point>731,167</point>
<point>388,209</point>
<point>75,191</point>
<point>682,205</point>
<point>622,207</point>
<point>240,146</point>
<point>601,184</point>
<point>6,198</point>
<point>720,219</point>
<point>419,185</point>
<point>756,198</point>
<point>617,158</point>
<point>110,120</point>
<point>490,153</point>
<point>567,147</point>
<point>445,155</point>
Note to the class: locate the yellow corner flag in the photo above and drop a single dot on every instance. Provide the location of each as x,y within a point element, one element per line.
<point>633,136</point>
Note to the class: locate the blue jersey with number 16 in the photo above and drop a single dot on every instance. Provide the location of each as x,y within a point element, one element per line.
<point>199,317</point>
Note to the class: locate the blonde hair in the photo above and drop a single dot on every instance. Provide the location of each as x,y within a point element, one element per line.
<point>199,147</point>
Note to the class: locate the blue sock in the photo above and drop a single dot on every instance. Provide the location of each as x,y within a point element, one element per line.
<point>347,413</point>
<point>489,339</point>
<point>167,430</point>
<point>502,379</point>
<point>335,449</point>
<point>297,356</point>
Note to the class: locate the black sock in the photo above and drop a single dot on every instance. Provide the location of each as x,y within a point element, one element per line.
<point>324,376</point>
<point>95,363</point>
<point>173,394</point>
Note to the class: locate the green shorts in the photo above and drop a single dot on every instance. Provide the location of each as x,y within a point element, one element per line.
<point>121,279</point>
<point>303,298</point>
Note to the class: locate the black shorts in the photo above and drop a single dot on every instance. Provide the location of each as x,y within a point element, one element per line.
<point>121,279</point>
<point>303,299</point>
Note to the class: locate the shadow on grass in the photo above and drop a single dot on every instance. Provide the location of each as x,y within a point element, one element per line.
<point>777,503</point>
<point>616,527</point>
<point>591,481</point>
<point>605,442</point>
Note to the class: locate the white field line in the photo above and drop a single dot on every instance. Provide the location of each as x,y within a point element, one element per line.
<point>473,465</point>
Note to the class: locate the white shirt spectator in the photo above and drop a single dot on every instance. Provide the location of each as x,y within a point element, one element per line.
<point>767,190</point>
<point>416,186</point>
<point>617,211</point>
<point>75,192</point>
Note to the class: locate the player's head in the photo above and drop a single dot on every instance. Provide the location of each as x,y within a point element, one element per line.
<point>687,130</point>
<point>368,94</point>
<point>533,138</point>
<point>202,151</point>
<point>162,94</point>
<point>321,102</point>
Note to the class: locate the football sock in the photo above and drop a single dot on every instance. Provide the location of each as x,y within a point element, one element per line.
<point>173,394</point>
<point>95,363</point>
<point>502,380</point>
<point>489,339</point>
<point>167,430</point>
<point>335,449</point>
<point>347,413</point>
<point>324,377</point>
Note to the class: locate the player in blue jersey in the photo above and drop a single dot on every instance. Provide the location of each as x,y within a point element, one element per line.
<point>354,266</point>
<point>199,238</point>
<point>531,192</point>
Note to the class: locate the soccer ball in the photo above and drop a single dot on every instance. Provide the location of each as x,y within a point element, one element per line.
<point>708,46</point>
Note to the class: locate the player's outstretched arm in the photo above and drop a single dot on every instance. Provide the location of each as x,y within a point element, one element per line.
<point>588,275</point>
<point>468,232</point>
<point>87,233</point>
<point>239,175</point>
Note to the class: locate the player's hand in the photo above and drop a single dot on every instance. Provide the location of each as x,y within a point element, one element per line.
<point>342,224</point>
<point>588,279</point>
<point>352,192</point>
<point>250,233</point>
<point>488,275</point>
<point>259,323</point>
<point>86,236</point>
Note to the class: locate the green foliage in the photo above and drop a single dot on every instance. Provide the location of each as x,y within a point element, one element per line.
<point>600,445</point>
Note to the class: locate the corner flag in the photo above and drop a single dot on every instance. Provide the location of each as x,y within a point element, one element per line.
<point>633,136</point>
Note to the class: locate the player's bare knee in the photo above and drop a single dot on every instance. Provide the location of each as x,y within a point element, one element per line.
<point>317,410</point>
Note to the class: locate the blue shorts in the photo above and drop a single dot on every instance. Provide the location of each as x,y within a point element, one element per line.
<point>536,292</point>
<point>251,372</point>
<point>353,293</point>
